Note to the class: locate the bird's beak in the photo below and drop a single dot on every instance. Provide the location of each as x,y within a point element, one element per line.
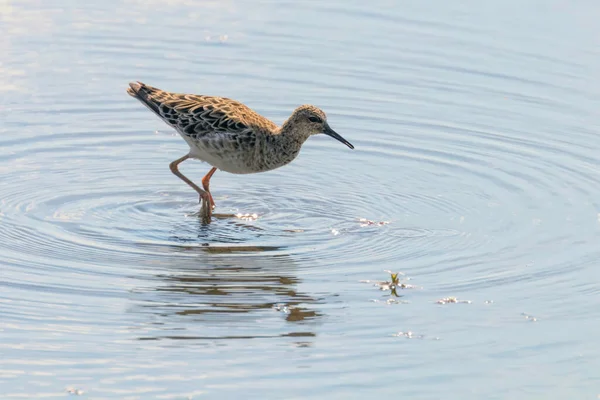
<point>330,132</point>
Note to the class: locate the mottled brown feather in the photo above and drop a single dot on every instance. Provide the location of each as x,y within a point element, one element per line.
<point>198,115</point>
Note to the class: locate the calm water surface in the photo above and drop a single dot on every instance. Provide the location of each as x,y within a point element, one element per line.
<point>476,132</point>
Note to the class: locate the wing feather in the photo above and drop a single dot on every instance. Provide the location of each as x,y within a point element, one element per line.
<point>199,116</point>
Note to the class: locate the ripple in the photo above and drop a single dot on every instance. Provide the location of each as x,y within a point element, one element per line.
<point>134,222</point>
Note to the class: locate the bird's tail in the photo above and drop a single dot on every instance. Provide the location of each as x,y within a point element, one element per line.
<point>147,95</point>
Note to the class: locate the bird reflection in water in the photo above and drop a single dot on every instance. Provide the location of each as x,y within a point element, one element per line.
<point>225,292</point>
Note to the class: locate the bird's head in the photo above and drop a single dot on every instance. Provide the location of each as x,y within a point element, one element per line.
<point>309,120</point>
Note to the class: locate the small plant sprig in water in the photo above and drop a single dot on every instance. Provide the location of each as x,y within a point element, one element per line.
<point>393,284</point>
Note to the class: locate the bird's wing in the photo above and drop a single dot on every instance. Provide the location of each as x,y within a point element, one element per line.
<point>199,116</point>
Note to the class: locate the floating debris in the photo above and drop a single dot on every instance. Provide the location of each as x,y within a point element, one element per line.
<point>282,308</point>
<point>405,286</point>
<point>74,391</point>
<point>335,232</point>
<point>408,335</point>
<point>366,222</point>
<point>219,38</point>
<point>452,299</point>
<point>529,317</point>
<point>489,302</point>
<point>391,301</point>
<point>247,217</point>
<point>67,215</point>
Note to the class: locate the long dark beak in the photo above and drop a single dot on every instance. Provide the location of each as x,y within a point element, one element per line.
<point>330,132</point>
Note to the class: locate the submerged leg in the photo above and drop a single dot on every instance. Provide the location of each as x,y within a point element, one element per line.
<point>206,184</point>
<point>205,210</point>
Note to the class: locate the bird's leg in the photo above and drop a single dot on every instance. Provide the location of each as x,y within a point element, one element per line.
<point>205,210</point>
<point>206,184</point>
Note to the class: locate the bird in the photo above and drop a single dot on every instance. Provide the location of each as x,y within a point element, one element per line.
<point>229,135</point>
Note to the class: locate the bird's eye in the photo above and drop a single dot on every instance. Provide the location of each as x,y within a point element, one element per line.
<point>315,119</point>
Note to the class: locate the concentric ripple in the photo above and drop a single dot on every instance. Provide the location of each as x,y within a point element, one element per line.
<point>121,205</point>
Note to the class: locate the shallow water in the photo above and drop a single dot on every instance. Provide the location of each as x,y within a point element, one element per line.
<point>476,134</point>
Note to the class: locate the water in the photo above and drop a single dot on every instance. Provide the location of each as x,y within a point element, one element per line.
<point>476,133</point>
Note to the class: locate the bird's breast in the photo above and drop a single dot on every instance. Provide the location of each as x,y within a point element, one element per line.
<point>241,157</point>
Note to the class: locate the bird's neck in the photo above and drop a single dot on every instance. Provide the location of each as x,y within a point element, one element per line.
<point>291,135</point>
<point>276,150</point>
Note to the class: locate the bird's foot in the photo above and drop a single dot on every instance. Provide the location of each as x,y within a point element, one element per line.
<point>205,209</point>
<point>211,201</point>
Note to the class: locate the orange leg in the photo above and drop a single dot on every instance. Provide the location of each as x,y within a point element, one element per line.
<point>206,184</point>
<point>205,210</point>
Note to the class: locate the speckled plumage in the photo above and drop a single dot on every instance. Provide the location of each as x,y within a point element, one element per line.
<point>230,136</point>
